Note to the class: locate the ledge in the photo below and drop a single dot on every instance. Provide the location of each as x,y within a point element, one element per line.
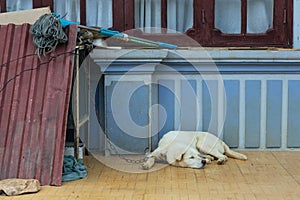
<point>197,55</point>
<point>192,61</point>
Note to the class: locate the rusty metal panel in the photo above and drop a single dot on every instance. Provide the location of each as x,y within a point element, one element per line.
<point>34,99</point>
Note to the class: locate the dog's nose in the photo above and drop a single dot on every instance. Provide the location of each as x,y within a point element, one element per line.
<point>203,162</point>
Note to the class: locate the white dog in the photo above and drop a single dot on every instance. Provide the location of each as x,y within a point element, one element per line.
<point>191,149</point>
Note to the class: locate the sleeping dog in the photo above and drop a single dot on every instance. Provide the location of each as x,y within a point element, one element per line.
<point>192,149</point>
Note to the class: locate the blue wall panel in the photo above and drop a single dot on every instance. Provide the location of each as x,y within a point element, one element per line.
<point>210,106</point>
<point>188,106</point>
<point>231,126</point>
<point>154,119</point>
<point>166,99</point>
<point>97,121</point>
<point>252,121</point>
<point>139,106</point>
<point>274,113</point>
<point>124,137</point>
<point>123,140</point>
<point>294,114</point>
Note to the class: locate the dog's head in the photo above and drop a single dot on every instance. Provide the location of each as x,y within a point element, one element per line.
<point>189,158</point>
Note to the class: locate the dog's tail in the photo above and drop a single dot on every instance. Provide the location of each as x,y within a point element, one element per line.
<point>233,154</point>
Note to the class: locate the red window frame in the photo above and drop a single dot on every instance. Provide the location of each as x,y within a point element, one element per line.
<point>203,30</point>
<point>280,35</point>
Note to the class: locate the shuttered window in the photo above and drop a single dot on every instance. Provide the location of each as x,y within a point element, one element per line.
<point>212,23</point>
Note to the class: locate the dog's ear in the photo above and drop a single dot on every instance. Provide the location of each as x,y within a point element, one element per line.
<point>172,157</point>
<point>180,158</point>
<point>175,153</point>
<point>179,145</point>
<point>198,143</point>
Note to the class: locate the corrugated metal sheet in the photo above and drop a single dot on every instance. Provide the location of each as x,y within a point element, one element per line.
<point>34,99</point>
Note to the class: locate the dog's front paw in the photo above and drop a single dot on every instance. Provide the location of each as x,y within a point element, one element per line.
<point>145,166</point>
<point>148,163</point>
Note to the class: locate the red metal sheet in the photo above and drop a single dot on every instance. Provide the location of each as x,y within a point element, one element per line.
<point>34,100</point>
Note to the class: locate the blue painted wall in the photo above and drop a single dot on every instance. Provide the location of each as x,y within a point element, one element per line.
<point>274,114</point>
<point>231,126</point>
<point>294,113</point>
<point>129,139</point>
<point>252,118</point>
<point>167,100</point>
<point>261,109</point>
<point>188,106</point>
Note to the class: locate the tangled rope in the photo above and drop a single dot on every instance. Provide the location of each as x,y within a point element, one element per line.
<point>47,33</point>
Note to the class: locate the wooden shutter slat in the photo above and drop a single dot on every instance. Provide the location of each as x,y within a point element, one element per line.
<point>2,5</point>
<point>42,3</point>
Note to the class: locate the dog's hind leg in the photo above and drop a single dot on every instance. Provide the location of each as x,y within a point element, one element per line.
<point>221,157</point>
<point>233,154</point>
<point>221,160</point>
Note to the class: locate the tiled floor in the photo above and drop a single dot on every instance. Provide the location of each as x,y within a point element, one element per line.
<point>266,175</point>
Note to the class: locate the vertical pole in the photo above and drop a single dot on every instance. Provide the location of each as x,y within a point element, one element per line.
<point>150,115</point>
<point>77,127</point>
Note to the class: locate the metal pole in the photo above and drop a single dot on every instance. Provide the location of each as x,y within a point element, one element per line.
<point>77,127</point>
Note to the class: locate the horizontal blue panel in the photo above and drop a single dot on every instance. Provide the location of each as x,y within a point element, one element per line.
<point>231,126</point>
<point>274,113</point>
<point>252,121</point>
<point>294,114</point>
